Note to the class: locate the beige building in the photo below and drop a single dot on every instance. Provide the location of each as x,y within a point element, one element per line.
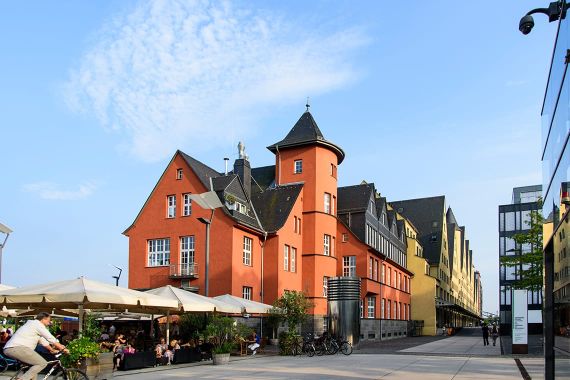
<point>449,273</point>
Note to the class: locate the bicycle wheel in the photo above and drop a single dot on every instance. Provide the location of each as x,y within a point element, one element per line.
<point>332,348</point>
<point>310,350</point>
<point>346,348</point>
<point>297,349</point>
<point>72,374</point>
<point>3,364</point>
<point>321,349</point>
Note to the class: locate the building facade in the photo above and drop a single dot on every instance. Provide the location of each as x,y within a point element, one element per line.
<point>446,251</point>
<point>556,200</point>
<point>514,219</point>
<point>373,246</point>
<point>277,231</point>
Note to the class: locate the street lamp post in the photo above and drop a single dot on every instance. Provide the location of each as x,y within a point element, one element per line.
<point>6,231</point>
<point>118,277</point>
<point>208,201</point>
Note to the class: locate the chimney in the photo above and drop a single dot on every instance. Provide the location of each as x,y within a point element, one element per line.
<point>226,160</point>
<point>243,169</point>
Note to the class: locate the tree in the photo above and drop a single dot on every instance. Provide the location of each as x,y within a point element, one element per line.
<point>528,261</point>
<point>293,307</point>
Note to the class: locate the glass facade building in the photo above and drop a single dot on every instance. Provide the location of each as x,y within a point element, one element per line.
<point>515,219</point>
<point>556,175</point>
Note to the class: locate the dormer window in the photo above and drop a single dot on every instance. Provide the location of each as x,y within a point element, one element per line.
<point>241,208</point>
<point>371,207</point>
<point>179,174</point>
<point>298,166</point>
<point>383,219</point>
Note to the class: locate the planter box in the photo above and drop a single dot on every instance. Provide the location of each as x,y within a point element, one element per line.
<point>220,358</point>
<point>100,368</point>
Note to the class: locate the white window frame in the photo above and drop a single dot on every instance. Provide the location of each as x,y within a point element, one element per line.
<point>370,268</point>
<point>361,308</point>
<point>383,308</point>
<point>327,203</point>
<point>349,266</point>
<point>246,292</point>
<point>158,252</point>
<point>241,208</point>
<point>171,206</point>
<point>388,307</point>
<point>383,278</point>
<point>298,166</point>
<point>187,252</point>
<point>187,206</point>
<point>344,237</point>
<point>286,249</point>
<point>247,246</point>
<point>327,245</point>
<point>178,174</point>
<point>293,264</point>
<point>325,286</point>
<point>371,306</point>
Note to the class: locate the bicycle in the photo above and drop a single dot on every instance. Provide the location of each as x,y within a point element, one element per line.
<point>343,346</point>
<point>59,371</point>
<point>6,363</point>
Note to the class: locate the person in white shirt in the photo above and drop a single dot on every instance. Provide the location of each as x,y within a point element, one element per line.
<point>22,344</point>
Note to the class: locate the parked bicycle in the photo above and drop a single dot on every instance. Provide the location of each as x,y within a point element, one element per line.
<point>8,363</point>
<point>57,371</point>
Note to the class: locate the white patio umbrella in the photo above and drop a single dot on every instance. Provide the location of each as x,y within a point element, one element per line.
<point>249,306</point>
<point>5,312</point>
<point>192,302</point>
<point>81,294</point>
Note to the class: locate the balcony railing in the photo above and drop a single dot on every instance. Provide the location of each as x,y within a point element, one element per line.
<point>184,270</point>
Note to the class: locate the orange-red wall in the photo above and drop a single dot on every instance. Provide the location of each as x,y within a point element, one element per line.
<point>370,286</point>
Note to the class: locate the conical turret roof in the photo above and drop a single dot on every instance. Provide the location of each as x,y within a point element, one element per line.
<point>306,132</point>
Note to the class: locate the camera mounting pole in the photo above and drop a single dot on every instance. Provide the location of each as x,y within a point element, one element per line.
<point>555,11</point>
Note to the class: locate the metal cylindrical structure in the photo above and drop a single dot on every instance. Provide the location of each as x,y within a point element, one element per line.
<point>344,307</point>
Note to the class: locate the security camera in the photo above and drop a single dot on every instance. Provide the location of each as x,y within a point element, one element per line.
<point>526,24</point>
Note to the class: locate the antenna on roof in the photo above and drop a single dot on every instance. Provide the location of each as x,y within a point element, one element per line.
<point>307,105</point>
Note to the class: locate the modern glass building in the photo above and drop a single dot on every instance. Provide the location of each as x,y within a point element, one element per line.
<point>556,175</point>
<point>514,219</point>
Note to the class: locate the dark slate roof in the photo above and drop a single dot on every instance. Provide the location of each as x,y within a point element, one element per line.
<point>422,213</point>
<point>231,184</point>
<point>203,172</point>
<point>380,205</point>
<point>391,218</point>
<point>274,205</point>
<point>221,183</point>
<point>354,198</point>
<point>263,176</point>
<point>401,228</point>
<point>306,132</point>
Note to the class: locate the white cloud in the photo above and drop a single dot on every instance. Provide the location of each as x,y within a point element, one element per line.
<point>53,191</point>
<point>191,73</point>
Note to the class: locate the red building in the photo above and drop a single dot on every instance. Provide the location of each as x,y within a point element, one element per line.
<point>278,229</point>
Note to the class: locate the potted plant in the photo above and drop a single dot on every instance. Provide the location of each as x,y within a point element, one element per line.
<point>222,333</point>
<point>230,202</point>
<point>85,353</point>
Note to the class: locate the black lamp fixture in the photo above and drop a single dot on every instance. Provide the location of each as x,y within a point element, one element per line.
<point>555,11</point>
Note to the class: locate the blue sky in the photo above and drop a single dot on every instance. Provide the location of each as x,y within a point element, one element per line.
<point>426,98</point>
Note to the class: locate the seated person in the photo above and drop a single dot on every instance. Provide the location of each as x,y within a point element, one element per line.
<point>162,352</point>
<point>254,346</point>
<point>3,337</point>
<point>129,349</point>
<point>104,336</point>
<point>174,345</point>
<point>118,350</point>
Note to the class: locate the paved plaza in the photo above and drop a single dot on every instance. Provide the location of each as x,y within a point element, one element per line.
<point>356,366</point>
<point>459,357</point>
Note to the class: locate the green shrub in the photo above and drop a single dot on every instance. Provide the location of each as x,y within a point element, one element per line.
<point>80,349</point>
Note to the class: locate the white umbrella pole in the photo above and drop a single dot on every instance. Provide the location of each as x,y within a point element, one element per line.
<point>168,327</point>
<point>80,320</point>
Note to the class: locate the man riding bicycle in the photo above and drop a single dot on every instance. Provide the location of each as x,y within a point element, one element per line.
<point>23,343</point>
